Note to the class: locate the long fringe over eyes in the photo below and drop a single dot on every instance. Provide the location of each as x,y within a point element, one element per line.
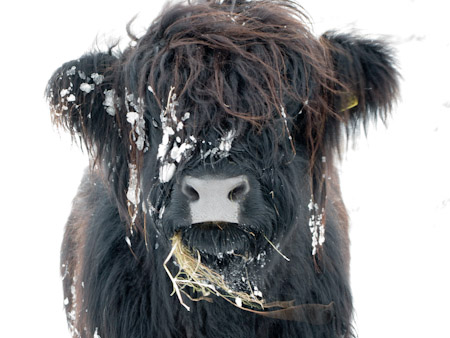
<point>247,63</point>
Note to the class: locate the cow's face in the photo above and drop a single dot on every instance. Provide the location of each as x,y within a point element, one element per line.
<point>228,191</point>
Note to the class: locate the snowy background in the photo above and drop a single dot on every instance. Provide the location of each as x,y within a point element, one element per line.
<point>396,183</point>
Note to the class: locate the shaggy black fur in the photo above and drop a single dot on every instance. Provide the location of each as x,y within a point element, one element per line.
<point>247,70</point>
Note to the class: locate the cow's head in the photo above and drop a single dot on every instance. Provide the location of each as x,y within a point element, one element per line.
<point>218,128</point>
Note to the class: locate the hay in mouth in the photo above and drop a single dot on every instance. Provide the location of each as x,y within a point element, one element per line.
<point>204,280</point>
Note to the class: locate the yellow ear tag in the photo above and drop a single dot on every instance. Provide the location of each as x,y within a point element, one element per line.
<point>351,103</point>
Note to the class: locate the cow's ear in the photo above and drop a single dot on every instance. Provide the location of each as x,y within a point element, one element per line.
<point>367,76</point>
<point>82,100</point>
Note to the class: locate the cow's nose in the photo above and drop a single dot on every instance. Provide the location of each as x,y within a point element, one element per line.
<point>214,199</point>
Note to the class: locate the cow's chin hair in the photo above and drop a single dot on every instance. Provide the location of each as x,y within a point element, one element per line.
<point>219,239</point>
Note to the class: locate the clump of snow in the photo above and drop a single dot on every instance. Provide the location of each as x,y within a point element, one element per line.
<point>97,78</point>
<point>186,116</point>
<point>164,145</point>
<point>257,292</point>
<point>132,117</point>
<point>86,87</point>
<point>172,149</point>
<point>127,239</point>
<point>283,114</point>
<point>223,150</point>
<point>96,335</point>
<point>71,316</point>
<point>133,195</point>
<point>261,259</point>
<point>82,75</point>
<point>109,101</point>
<point>161,212</point>
<point>65,97</point>
<point>71,71</point>
<point>138,124</point>
<point>226,141</point>
<point>209,152</point>
<point>135,116</point>
<point>166,172</point>
<point>64,92</point>
<point>133,189</point>
<point>316,226</point>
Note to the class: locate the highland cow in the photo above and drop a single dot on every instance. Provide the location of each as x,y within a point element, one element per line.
<point>212,205</point>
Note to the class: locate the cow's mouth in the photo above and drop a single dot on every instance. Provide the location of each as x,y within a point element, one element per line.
<point>219,243</point>
<point>219,258</point>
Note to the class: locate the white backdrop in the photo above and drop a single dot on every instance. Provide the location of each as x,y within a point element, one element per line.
<point>396,183</point>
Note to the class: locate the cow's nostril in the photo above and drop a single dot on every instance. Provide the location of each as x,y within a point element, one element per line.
<point>190,192</point>
<point>239,192</point>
